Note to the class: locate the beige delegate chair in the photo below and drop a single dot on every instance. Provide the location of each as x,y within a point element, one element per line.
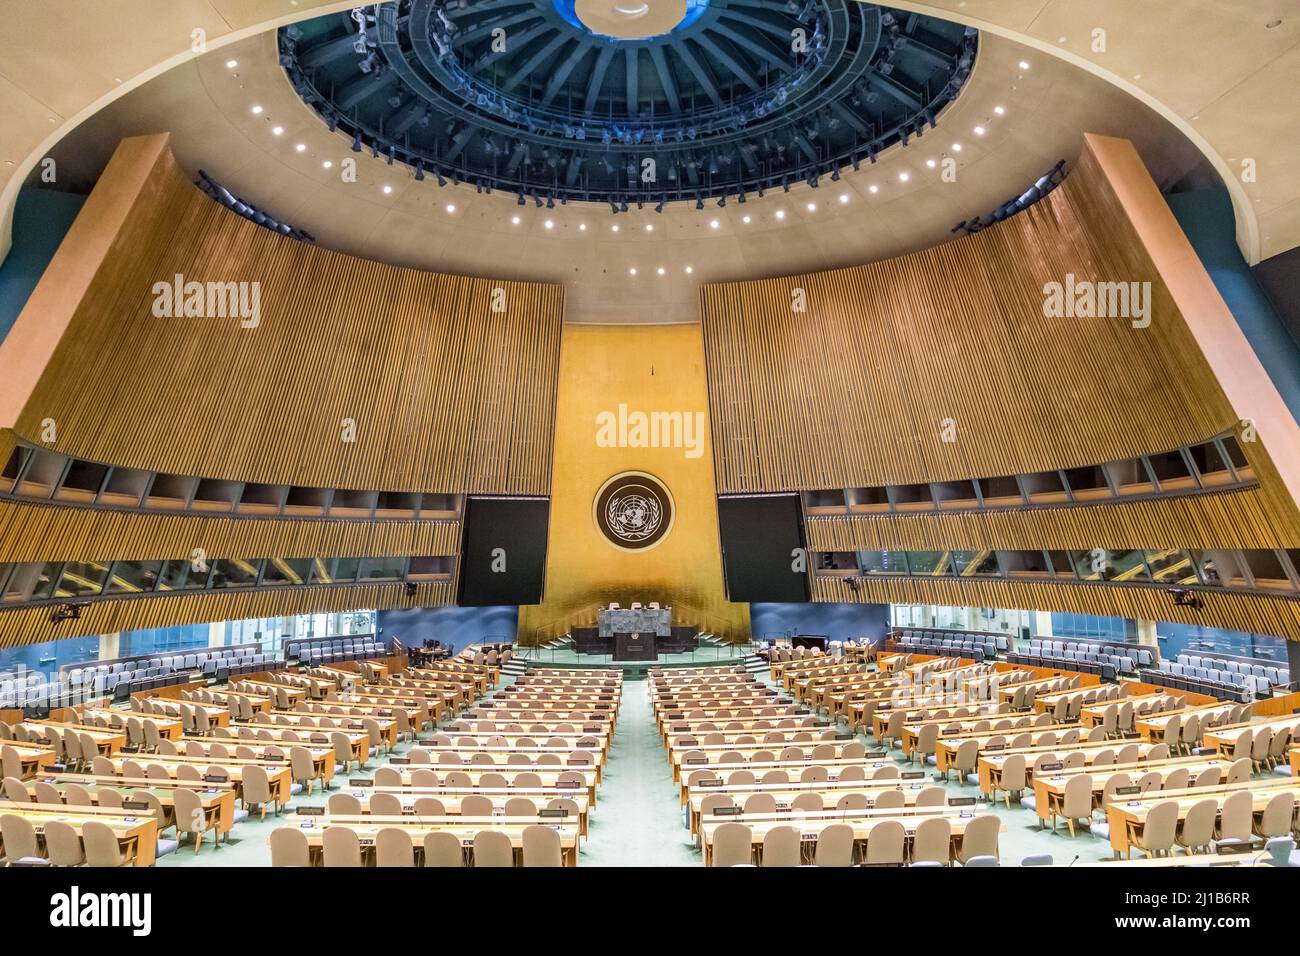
<point>393,848</point>
<point>493,848</point>
<point>835,845</point>
<point>341,847</point>
<point>289,847</point>
<point>781,847</point>
<point>101,846</point>
<point>1158,830</point>
<point>733,844</point>
<point>62,844</point>
<point>932,841</point>
<point>980,838</point>
<point>21,844</point>
<point>1197,831</point>
<point>442,849</point>
<point>541,846</point>
<point>886,846</point>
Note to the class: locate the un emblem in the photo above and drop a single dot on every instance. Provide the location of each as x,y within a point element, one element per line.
<point>634,511</point>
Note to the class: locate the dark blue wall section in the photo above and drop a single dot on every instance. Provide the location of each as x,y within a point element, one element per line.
<point>1207,219</point>
<point>48,656</point>
<point>1177,638</point>
<point>42,218</point>
<point>1094,627</point>
<point>840,622</point>
<point>458,625</point>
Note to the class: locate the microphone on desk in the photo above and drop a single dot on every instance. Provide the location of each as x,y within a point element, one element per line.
<point>1072,862</point>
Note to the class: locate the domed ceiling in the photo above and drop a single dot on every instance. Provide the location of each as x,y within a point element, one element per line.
<point>628,101</point>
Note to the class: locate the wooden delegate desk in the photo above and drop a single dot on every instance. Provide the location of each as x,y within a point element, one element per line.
<point>1127,815</point>
<point>870,765</point>
<point>1049,789</point>
<point>169,727</point>
<point>260,735</point>
<point>136,831</point>
<point>756,725</point>
<point>384,716</point>
<point>960,726</point>
<point>501,756</point>
<point>1295,761</point>
<point>33,757</point>
<point>762,738</point>
<point>323,760</point>
<point>946,747</point>
<point>1046,702</point>
<point>216,799</point>
<point>511,742</point>
<point>1153,727</point>
<point>989,765</point>
<point>785,793</point>
<point>450,798</point>
<point>217,716</point>
<point>108,741</point>
<point>549,776</point>
<point>1224,739</point>
<point>863,822</point>
<point>880,719</point>
<point>367,827</point>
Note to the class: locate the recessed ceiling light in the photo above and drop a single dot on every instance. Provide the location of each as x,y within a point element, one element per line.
<point>549,224</point>
<point>930,163</point>
<point>231,64</point>
<point>745,220</point>
<point>780,214</point>
<point>844,197</point>
<point>387,190</point>
<point>301,147</point>
<point>660,270</point>
<point>689,269</point>
<point>874,189</point>
<point>582,227</point>
<point>256,109</point>
<point>614,227</point>
<point>812,207</point>
<point>451,207</point>
<point>979,130</point>
<point>514,220</point>
<point>999,110</point>
<point>328,164</point>
<point>956,147</point>
<point>903,177</point>
<point>713,224</point>
<point>277,130</point>
<point>1024,64</point>
<point>632,271</point>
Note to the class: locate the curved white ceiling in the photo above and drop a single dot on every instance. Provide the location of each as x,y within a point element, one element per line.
<point>208,107</point>
<point>1223,71</point>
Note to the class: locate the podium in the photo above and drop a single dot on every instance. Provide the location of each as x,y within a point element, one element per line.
<point>635,647</point>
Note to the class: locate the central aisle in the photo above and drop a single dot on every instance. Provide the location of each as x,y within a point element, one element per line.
<point>637,821</point>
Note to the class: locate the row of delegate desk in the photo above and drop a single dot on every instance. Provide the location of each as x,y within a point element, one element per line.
<point>744,754</point>
<point>544,739</point>
<point>210,766</point>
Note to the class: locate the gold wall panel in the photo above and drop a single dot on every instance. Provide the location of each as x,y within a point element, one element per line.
<point>854,391</point>
<point>39,532</point>
<point>1245,612</point>
<point>1228,520</point>
<point>32,624</point>
<point>446,394</point>
<point>647,368</point>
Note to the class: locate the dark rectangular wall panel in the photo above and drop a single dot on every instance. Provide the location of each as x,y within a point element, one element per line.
<point>760,535</point>
<point>503,554</point>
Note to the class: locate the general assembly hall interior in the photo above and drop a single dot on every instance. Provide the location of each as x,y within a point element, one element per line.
<point>600,434</point>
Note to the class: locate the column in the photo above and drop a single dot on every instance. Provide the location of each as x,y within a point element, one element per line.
<point>1042,624</point>
<point>108,645</point>
<point>1147,633</point>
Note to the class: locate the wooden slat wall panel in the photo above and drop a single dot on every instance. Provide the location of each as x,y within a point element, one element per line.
<point>28,625</point>
<point>447,395</point>
<point>1229,520</point>
<point>35,532</point>
<point>1245,612</point>
<point>853,392</point>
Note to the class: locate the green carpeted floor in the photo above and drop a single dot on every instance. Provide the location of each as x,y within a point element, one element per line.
<point>637,818</point>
